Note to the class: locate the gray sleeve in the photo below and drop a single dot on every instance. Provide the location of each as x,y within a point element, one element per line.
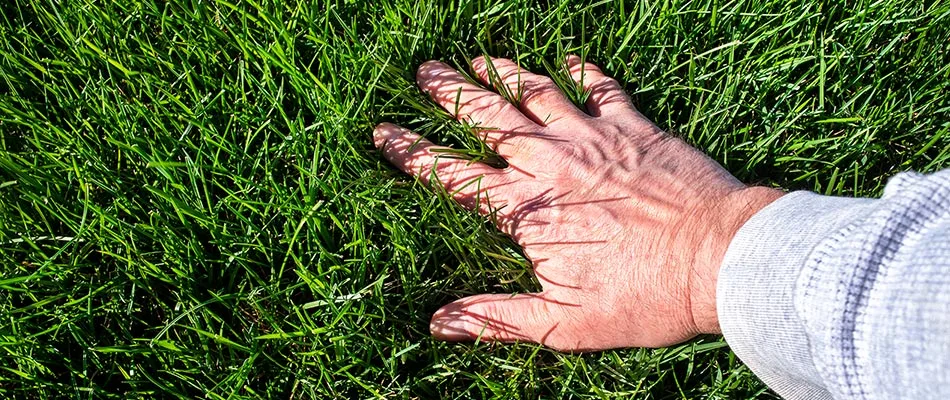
<point>826,297</point>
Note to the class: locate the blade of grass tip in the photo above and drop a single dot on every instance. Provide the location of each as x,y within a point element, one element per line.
<point>496,83</point>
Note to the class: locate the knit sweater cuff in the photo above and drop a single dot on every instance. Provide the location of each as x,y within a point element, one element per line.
<point>754,294</point>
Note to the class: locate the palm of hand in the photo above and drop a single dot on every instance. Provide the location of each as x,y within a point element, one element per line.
<point>625,226</point>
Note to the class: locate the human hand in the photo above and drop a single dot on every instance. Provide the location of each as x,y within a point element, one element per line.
<point>625,225</point>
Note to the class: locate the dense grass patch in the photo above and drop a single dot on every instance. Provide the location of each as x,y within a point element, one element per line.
<point>190,202</point>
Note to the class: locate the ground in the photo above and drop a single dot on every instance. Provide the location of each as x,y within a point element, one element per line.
<point>191,205</point>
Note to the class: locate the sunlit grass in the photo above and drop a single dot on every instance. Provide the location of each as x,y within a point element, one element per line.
<point>190,202</point>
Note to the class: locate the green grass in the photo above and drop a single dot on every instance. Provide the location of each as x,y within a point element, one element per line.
<point>191,205</point>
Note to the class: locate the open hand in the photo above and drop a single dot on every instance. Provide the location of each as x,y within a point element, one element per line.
<point>625,225</point>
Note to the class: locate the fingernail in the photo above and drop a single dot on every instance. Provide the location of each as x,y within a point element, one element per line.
<point>382,133</point>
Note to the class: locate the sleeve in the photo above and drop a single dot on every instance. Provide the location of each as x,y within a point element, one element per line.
<point>827,297</point>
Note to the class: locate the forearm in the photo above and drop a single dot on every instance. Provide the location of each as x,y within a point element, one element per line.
<point>794,282</point>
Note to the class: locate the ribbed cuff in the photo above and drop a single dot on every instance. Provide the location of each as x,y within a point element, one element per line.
<point>754,294</point>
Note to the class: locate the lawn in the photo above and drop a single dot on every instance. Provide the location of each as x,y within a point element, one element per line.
<point>191,204</point>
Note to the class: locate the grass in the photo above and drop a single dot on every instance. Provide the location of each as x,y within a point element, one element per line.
<point>191,205</point>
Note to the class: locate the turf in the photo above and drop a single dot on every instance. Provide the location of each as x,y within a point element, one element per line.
<point>191,205</point>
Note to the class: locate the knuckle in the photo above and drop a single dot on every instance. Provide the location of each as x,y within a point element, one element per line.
<point>511,76</point>
<point>544,94</point>
<point>609,82</point>
<point>545,82</point>
<point>544,86</point>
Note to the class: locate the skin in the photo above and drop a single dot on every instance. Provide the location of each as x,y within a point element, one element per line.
<point>625,225</point>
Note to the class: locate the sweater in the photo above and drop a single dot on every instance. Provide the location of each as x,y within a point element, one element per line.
<point>847,298</point>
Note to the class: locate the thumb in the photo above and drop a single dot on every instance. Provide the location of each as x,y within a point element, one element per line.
<point>530,317</point>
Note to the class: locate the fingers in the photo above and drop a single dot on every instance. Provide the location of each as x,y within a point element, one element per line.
<point>540,99</point>
<point>501,123</point>
<point>502,317</point>
<point>607,98</point>
<point>468,182</point>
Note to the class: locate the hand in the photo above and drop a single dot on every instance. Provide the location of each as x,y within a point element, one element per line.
<point>625,225</point>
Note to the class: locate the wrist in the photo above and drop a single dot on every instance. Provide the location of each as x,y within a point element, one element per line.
<point>718,225</point>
